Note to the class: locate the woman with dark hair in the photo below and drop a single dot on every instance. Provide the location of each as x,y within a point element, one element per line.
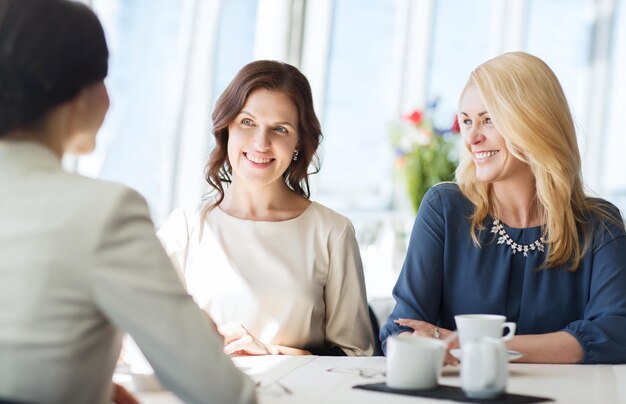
<point>80,260</point>
<point>281,274</point>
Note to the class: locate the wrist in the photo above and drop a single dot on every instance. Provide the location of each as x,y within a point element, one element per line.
<point>273,350</point>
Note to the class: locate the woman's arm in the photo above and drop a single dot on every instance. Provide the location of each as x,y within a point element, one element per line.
<point>347,317</point>
<point>239,341</point>
<point>601,333</point>
<point>418,290</point>
<point>135,286</point>
<point>174,235</point>
<point>600,336</point>
<point>555,347</point>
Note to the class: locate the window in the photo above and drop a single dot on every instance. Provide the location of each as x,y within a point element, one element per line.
<point>461,41</point>
<point>152,121</point>
<point>614,161</point>
<point>235,41</point>
<point>564,46</point>
<point>356,158</point>
<point>143,44</point>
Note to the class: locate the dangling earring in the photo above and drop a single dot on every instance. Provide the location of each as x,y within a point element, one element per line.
<point>295,155</point>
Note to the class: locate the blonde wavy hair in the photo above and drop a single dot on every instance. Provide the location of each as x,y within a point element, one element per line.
<point>528,107</point>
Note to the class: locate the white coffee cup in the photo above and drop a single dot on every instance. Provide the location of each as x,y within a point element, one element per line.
<point>474,326</point>
<point>413,362</point>
<point>484,368</point>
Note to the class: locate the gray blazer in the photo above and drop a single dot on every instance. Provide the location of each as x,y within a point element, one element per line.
<point>79,262</point>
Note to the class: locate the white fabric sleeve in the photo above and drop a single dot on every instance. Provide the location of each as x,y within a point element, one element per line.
<point>347,318</point>
<point>135,286</point>
<point>174,236</point>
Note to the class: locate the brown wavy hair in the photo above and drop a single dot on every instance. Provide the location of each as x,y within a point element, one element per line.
<point>273,76</point>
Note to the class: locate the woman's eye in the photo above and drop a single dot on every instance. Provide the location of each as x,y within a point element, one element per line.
<point>281,129</point>
<point>467,122</point>
<point>246,121</point>
<point>488,121</point>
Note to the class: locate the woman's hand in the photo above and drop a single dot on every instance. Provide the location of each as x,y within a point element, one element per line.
<point>424,329</point>
<point>239,341</point>
<point>122,396</point>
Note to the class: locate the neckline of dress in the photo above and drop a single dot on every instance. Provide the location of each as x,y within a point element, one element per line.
<point>493,218</point>
<point>295,218</point>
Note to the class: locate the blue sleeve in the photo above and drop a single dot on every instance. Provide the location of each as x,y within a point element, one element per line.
<point>602,331</point>
<point>418,290</point>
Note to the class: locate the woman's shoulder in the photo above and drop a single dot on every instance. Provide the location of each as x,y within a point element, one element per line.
<point>97,192</point>
<point>447,197</point>
<point>445,190</point>
<point>321,214</point>
<point>609,210</point>
<point>103,204</point>
<point>185,218</point>
<point>326,225</point>
<point>605,218</point>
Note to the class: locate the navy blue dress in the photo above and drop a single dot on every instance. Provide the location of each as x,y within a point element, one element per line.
<point>445,274</point>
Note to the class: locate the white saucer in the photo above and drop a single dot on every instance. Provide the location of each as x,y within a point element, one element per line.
<point>513,355</point>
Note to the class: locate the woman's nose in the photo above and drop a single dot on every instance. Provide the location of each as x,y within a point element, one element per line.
<point>262,139</point>
<point>474,136</point>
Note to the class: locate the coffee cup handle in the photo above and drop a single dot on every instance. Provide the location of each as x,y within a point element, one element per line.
<point>511,327</point>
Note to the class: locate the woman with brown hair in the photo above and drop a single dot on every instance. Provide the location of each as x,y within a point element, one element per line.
<point>279,273</point>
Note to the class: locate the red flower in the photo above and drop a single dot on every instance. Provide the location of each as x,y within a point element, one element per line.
<point>414,117</point>
<point>456,128</point>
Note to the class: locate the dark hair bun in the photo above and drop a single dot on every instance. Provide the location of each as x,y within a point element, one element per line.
<point>49,51</point>
<point>19,92</point>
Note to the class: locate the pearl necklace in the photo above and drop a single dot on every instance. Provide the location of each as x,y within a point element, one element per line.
<point>504,238</point>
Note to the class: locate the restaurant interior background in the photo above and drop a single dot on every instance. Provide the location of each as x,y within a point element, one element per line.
<point>369,63</point>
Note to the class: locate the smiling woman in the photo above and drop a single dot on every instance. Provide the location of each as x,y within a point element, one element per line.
<point>554,261</point>
<point>490,153</point>
<point>263,139</point>
<point>297,286</point>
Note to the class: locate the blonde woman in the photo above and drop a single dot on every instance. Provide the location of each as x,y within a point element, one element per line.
<point>516,235</point>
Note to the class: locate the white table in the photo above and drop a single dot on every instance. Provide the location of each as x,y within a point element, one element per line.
<point>308,381</point>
